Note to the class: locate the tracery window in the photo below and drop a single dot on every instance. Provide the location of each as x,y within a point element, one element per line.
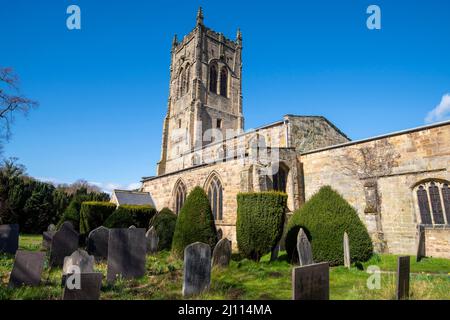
<point>180,196</point>
<point>215,196</point>
<point>433,200</point>
<point>213,79</point>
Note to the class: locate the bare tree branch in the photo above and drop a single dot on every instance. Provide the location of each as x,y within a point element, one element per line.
<point>11,101</point>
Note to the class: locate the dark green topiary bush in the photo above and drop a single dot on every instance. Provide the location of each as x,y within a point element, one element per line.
<point>260,219</point>
<point>93,214</point>
<point>164,223</point>
<point>71,214</point>
<point>195,223</point>
<point>325,218</point>
<point>127,215</point>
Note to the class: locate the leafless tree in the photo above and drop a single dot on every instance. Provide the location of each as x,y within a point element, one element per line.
<point>12,101</point>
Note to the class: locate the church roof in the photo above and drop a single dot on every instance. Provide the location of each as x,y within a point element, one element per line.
<point>133,197</point>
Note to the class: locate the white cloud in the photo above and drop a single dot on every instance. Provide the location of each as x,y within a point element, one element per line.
<point>441,112</point>
<point>110,186</point>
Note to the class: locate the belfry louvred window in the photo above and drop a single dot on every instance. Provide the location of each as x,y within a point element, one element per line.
<point>433,200</point>
<point>213,79</point>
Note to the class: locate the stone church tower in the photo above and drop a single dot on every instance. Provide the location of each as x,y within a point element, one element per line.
<point>205,92</point>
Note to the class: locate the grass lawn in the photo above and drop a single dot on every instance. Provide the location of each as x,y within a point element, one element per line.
<point>243,279</point>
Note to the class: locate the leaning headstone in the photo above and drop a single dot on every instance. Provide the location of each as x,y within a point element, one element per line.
<point>403,278</point>
<point>126,254</point>
<point>51,228</point>
<point>197,269</point>
<point>152,240</point>
<point>89,287</point>
<point>347,261</point>
<point>311,282</point>
<point>304,249</point>
<point>222,253</point>
<point>9,238</point>
<point>27,269</point>
<point>64,243</point>
<point>421,245</point>
<point>47,237</point>
<point>97,243</point>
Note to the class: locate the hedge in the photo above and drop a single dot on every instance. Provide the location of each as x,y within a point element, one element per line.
<point>325,218</point>
<point>93,214</point>
<point>195,223</point>
<point>164,223</point>
<point>71,214</point>
<point>260,220</point>
<point>127,215</point>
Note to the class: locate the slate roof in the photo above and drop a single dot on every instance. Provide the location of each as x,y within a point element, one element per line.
<point>133,197</point>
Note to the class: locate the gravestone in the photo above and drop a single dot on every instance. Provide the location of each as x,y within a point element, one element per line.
<point>421,244</point>
<point>197,269</point>
<point>27,269</point>
<point>80,259</point>
<point>222,253</point>
<point>126,254</point>
<point>51,228</point>
<point>47,237</point>
<point>90,285</point>
<point>132,227</point>
<point>97,243</point>
<point>64,243</point>
<point>403,278</point>
<point>311,282</point>
<point>304,249</point>
<point>347,261</point>
<point>152,240</point>
<point>9,238</point>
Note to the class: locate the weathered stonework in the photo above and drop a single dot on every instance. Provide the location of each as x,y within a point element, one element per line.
<point>378,176</point>
<point>401,161</point>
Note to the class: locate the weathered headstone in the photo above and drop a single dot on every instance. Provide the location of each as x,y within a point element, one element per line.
<point>47,237</point>
<point>79,259</point>
<point>421,252</point>
<point>403,278</point>
<point>97,243</point>
<point>152,240</point>
<point>304,249</point>
<point>64,243</point>
<point>51,228</point>
<point>347,261</point>
<point>311,282</point>
<point>132,227</point>
<point>222,253</point>
<point>126,253</point>
<point>9,238</point>
<point>27,269</point>
<point>90,285</point>
<point>197,269</point>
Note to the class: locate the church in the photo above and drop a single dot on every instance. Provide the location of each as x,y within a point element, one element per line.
<point>398,182</point>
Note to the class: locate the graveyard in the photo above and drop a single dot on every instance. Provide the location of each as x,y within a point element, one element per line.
<point>243,279</point>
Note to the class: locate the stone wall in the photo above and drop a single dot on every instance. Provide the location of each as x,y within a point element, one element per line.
<point>377,176</point>
<point>437,242</point>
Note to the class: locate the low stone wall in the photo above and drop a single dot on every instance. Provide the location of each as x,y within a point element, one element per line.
<point>437,243</point>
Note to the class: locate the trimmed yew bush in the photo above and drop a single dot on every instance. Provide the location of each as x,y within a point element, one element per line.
<point>260,220</point>
<point>195,223</point>
<point>164,223</point>
<point>93,214</point>
<point>325,217</point>
<point>128,215</point>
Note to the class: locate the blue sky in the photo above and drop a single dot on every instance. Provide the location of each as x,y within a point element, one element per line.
<point>103,89</point>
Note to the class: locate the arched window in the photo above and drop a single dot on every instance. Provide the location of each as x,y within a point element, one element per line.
<point>224,82</point>
<point>213,79</point>
<point>279,178</point>
<point>215,196</point>
<point>180,83</point>
<point>433,200</point>
<point>180,196</point>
